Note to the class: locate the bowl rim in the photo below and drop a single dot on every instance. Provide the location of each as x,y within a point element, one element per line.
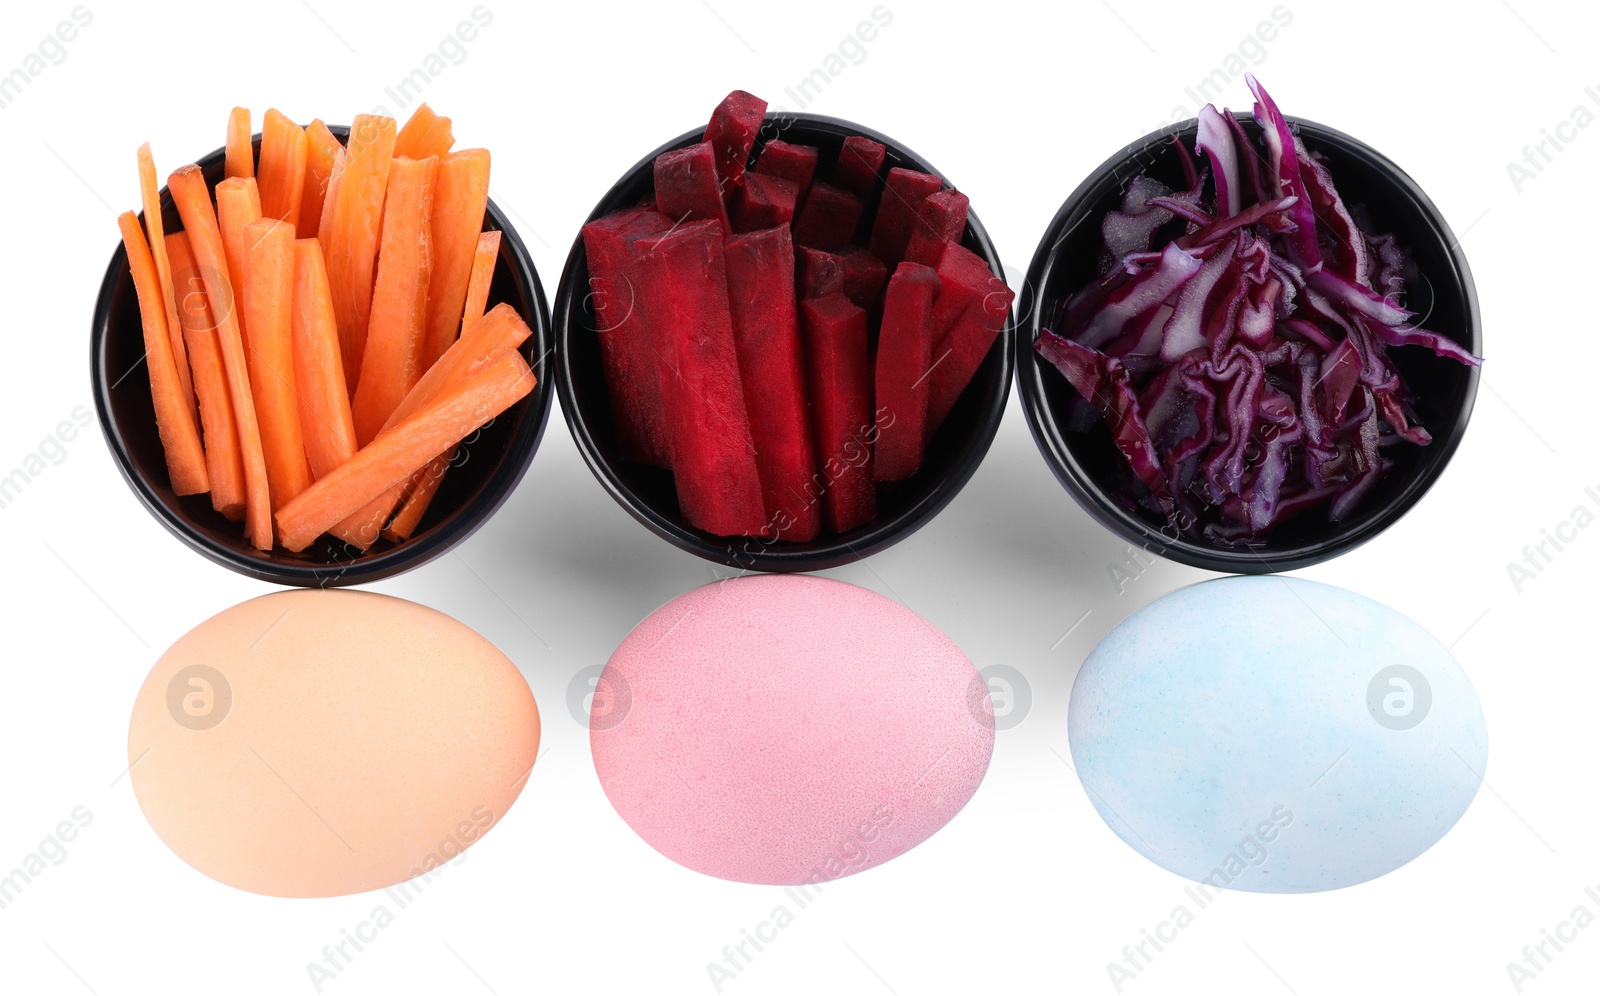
<point>1050,437</point>
<point>269,565</point>
<point>771,556</point>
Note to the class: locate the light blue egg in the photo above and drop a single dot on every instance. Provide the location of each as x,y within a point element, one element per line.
<point>1276,735</point>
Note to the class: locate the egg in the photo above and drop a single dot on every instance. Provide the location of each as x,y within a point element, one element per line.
<point>329,742</point>
<point>1271,734</point>
<point>788,730</point>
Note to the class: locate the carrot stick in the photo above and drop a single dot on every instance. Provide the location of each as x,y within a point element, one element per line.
<point>180,437</point>
<point>223,464</point>
<point>239,159</point>
<point>282,176</point>
<point>405,448</point>
<point>362,527</point>
<point>483,260</point>
<point>223,460</point>
<point>150,195</point>
<point>321,150</point>
<point>502,328</point>
<point>238,205</point>
<point>188,188</point>
<point>424,134</point>
<point>330,432</point>
<point>325,226</point>
<point>425,483</point>
<point>391,361</point>
<point>351,246</point>
<point>458,205</point>
<point>269,349</point>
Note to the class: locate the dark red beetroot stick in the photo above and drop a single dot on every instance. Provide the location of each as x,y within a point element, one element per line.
<point>905,353</point>
<point>903,193</point>
<point>942,218</point>
<point>819,273</point>
<point>762,202</point>
<point>766,331</point>
<point>829,217</point>
<point>971,309</point>
<point>860,162</point>
<point>835,336</point>
<point>732,133</point>
<point>631,367</point>
<point>786,161</point>
<point>864,275</point>
<point>683,286</point>
<point>687,188</point>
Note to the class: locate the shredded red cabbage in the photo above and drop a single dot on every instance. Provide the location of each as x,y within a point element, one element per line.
<point>1242,366</point>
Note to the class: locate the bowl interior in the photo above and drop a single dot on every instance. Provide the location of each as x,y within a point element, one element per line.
<point>486,468</point>
<point>1438,287</point>
<point>953,454</point>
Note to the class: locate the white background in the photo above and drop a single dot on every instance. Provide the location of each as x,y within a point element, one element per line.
<point>1026,890</point>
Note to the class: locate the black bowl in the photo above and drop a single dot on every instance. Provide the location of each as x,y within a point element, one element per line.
<point>952,455</point>
<point>1438,287</point>
<point>489,467</point>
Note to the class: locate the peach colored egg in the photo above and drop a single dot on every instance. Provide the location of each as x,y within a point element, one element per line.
<point>328,742</point>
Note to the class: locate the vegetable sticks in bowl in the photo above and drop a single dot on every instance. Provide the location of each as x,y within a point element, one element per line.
<point>290,323</point>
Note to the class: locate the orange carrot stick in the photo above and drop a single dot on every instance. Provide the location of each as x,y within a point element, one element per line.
<point>269,350</point>
<point>351,246</point>
<point>321,150</point>
<point>341,158</point>
<point>405,448</point>
<point>483,260</point>
<point>223,464</point>
<point>362,527</point>
<point>188,188</point>
<point>216,413</point>
<point>502,328</point>
<point>325,419</point>
<point>239,158</point>
<point>391,362</point>
<point>180,437</point>
<point>150,196</point>
<point>282,176</point>
<point>462,192</point>
<point>424,134</point>
<point>238,205</point>
<point>425,483</point>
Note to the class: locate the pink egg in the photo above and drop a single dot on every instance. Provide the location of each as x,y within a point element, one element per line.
<point>786,729</point>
